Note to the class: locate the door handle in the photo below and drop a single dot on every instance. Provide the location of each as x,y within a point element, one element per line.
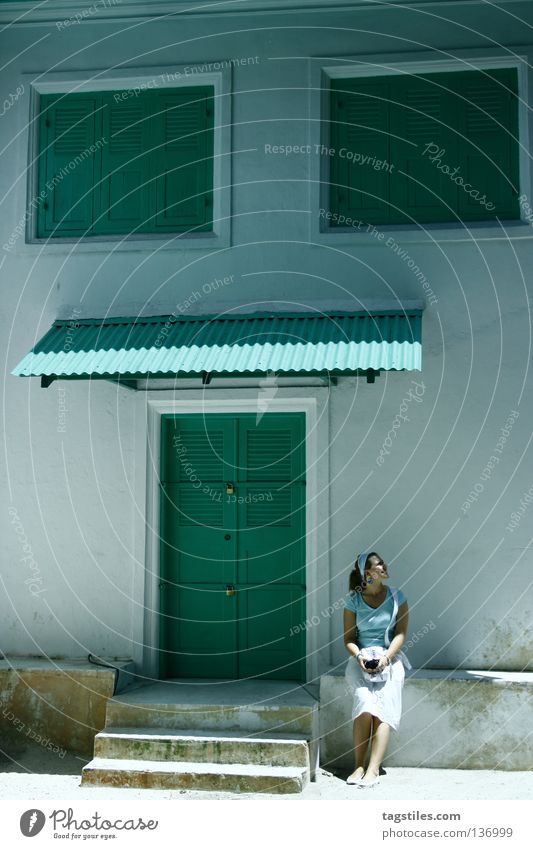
<point>230,589</point>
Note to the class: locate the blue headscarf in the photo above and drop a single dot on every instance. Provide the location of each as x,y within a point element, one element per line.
<point>361,560</point>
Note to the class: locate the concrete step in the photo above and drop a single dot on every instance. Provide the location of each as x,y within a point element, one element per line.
<point>130,711</point>
<point>220,747</point>
<point>228,778</point>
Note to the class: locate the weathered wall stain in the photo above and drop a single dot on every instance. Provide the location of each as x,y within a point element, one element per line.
<point>67,707</point>
<point>508,643</point>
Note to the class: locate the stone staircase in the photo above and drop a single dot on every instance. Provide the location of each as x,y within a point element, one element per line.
<point>270,746</point>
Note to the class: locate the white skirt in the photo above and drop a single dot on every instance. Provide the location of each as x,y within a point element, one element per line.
<point>380,698</point>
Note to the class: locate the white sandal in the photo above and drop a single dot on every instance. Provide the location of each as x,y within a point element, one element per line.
<point>355,781</point>
<point>368,783</point>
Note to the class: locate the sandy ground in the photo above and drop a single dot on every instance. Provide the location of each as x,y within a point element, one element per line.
<point>35,773</point>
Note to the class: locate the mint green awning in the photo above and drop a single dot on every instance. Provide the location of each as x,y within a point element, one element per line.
<point>136,347</point>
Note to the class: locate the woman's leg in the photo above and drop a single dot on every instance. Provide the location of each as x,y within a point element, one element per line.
<point>362,731</point>
<point>380,741</point>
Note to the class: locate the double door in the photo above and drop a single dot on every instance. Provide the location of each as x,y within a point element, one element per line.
<point>232,530</point>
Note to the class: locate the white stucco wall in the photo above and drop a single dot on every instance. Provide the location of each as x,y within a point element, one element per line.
<point>79,492</point>
<point>71,504</point>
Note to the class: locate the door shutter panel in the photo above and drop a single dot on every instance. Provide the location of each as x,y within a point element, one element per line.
<point>360,140</point>
<point>487,109</point>
<point>182,127</point>
<point>197,555</point>
<point>422,120</point>
<point>125,188</point>
<point>271,563</point>
<point>69,126</point>
<point>193,470</point>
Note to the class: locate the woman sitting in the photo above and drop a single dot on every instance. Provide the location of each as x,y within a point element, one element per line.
<point>368,622</point>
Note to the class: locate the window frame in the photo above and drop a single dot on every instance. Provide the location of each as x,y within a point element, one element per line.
<point>354,67</point>
<point>175,77</point>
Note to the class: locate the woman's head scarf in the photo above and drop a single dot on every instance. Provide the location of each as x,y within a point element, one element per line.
<point>361,560</point>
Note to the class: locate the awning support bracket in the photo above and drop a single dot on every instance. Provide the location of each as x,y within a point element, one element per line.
<point>207,376</point>
<point>127,384</point>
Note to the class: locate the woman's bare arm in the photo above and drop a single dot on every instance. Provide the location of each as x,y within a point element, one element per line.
<point>349,636</point>
<point>349,632</point>
<point>400,631</point>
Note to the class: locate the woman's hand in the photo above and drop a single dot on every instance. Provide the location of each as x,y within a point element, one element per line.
<point>383,662</point>
<point>361,661</point>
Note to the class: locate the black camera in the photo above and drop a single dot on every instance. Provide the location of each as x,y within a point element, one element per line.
<point>371,664</point>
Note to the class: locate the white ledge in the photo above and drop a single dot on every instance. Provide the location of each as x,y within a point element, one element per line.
<point>493,676</point>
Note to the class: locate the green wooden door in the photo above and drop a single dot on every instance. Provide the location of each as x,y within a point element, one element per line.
<point>232,546</point>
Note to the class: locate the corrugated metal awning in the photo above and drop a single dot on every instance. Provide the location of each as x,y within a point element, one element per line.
<point>226,345</point>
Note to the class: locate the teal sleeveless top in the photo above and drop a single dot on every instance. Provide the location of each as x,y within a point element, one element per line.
<point>372,622</point>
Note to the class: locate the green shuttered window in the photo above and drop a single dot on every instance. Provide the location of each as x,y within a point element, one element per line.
<point>425,148</point>
<point>113,163</point>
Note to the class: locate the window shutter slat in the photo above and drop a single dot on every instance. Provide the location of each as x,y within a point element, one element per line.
<point>125,187</point>
<point>360,141</point>
<point>68,129</point>
<point>488,119</point>
<point>422,140</point>
<point>183,159</point>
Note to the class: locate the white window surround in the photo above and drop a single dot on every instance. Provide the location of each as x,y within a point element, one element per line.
<point>313,401</point>
<point>146,79</point>
<point>321,72</point>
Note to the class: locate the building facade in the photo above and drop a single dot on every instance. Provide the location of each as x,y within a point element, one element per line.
<point>285,253</point>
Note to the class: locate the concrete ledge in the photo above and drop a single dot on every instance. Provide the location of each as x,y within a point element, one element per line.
<point>59,704</point>
<point>451,719</point>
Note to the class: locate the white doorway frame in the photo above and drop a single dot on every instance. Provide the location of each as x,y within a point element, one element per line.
<point>313,402</point>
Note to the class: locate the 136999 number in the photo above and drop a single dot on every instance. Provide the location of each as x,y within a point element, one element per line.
<point>496,831</point>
